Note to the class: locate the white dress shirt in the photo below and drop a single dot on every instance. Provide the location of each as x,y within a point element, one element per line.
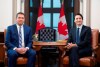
<point>22,31</point>
<point>80,28</point>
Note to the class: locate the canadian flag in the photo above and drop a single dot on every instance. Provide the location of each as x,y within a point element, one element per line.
<point>40,22</point>
<point>62,25</point>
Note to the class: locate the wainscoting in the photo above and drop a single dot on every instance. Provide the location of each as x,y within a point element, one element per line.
<point>1,37</point>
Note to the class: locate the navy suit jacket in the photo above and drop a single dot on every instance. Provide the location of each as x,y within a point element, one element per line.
<point>85,38</point>
<point>12,39</point>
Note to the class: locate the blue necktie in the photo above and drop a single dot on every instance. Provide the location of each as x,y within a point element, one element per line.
<point>20,37</point>
<point>77,36</point>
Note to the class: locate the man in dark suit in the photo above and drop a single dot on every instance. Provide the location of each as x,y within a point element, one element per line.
<point>79,42</point>
<point>19,42</point>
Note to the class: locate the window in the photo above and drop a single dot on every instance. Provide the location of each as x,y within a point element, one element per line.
<point>51,9</point>
<point>47,21</point>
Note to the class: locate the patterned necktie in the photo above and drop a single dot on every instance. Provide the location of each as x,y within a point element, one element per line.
<point>77,36</point>
<point>20,37</point>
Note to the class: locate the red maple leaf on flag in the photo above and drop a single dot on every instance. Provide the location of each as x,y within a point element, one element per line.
<point>62,28</point>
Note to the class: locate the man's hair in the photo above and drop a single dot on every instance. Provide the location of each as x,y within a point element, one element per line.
<point>79,15</point>
<point>19,13</point>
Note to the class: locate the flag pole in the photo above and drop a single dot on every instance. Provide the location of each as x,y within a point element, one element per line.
<point>62,1</point>
<point>40,1</point>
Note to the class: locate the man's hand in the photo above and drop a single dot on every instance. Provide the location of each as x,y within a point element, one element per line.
<point>21,50</point>
<point>70,45</point>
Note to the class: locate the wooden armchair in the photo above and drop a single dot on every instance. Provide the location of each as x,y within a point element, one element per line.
<point>87,61</point>
<point>20,60</point>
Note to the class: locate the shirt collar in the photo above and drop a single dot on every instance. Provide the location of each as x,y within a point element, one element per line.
<point>80,26</point>
<point>19,26</point>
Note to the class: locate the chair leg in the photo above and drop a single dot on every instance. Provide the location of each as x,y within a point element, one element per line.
<point>65,65</point>
<point>5,62</point>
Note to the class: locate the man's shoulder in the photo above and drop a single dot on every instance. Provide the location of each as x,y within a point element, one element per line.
<point>26,26</point>
<point>11,26</point>
<point>73,28</point>
<point>86,27</point>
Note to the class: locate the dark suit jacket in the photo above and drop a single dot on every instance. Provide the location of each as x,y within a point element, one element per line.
<point>12,39</point>
<point>85,38</point>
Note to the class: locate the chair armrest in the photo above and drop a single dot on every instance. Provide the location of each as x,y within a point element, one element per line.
<point>95,48</point>
<point>5,48</point>
<point>97,52</point>
<point>34,47</point>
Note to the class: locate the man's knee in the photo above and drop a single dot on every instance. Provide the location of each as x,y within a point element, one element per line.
<point>74,48</point>
<point>12,53</point>
<point>32,52</point>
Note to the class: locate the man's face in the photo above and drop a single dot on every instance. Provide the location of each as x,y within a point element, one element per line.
<point>78,20</point>
<point>20,19</point>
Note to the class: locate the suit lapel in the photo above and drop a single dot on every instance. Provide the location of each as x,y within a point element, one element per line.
<point>74,31</point>
<point>16,33</point>
<point>24,32</point>
<point>82,31</point>
<point>15,30</point>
